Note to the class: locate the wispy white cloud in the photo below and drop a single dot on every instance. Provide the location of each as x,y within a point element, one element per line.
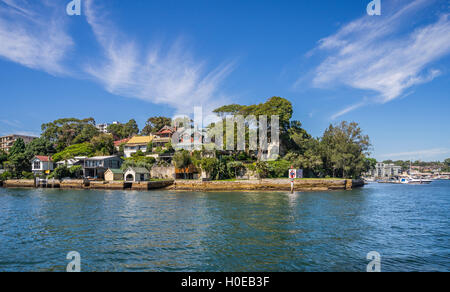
<point>419,154</point>
<point>11,123</point>
<point>32,33</point>
<point>347,110</point>
<point>385,55</point>
<point>172,77</point>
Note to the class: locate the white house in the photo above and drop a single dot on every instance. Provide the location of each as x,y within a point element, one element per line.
<point>136,174</point>
<point>41,164</point>
<point>135,144</point>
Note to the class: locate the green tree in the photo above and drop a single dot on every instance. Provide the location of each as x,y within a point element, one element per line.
<point>182,160</point>
<point>279,168</point>
<point>17,148</point>
<point>369,164</point>
<point>275,106</point>
<point>69,131</point>
<point>18,161</point>
<point>235,167</point>
<point>262,169</point>
<point>76,171</point>
<point>60,172</point>
<point>344,149</point>
<point>40,146</point>
<point>446,164</point>
<point>84,149</point>
<point>210,166</point>
<point>122,131</point>
<point>103,144</point>
<point>87,133</point>
<point>130,129</point>
<point>3,157</point>
<point>154,124</point>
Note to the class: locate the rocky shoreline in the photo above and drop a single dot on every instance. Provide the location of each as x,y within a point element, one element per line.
<point>302,185</point>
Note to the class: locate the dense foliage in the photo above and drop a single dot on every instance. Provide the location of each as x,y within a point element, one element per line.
<point>69,131</point>
<point>138,159</point>
<point>122,131</point>
<point>154,124</point>
<point>84,149</point>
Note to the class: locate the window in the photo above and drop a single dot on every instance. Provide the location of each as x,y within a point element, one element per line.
<point>37,164</point>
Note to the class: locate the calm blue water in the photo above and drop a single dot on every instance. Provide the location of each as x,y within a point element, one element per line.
<point>169,231</point>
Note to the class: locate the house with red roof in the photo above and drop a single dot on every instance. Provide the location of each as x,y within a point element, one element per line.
<point>163,136</point>
<point>117,144</point>
<point>42,164</point>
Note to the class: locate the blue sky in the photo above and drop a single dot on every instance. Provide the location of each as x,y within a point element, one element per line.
<point>135,59</point>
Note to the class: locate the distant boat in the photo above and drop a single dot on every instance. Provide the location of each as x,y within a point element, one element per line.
<point>415,181</point>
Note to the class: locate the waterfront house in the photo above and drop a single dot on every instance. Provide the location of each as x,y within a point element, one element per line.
<point>136,174</point>
<point>42,164</point>
<point>163,137</point>
<point>137,143</point>
<point>188,139</point>
<point>95,167</point>
<point>119,143</point>
<point>6,142</point>
<point>113,174</point>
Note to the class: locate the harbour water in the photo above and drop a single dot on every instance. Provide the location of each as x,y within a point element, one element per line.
<point>408,225</point>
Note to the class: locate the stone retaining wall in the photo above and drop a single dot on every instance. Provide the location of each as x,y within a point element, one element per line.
<point>198,185</point>
<point>266,185</point>
<point>19,183</point>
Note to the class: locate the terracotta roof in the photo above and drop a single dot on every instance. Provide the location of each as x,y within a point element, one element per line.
<point>120,142</point>
<point>44,158</point>
<point>166,132</point>
<point>140,140</point>
<point>166,129</point>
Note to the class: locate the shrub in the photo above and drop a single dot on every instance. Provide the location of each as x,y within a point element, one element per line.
<point>279,168</point>
<point>76,171</point>
<point>27,175</point>
<point>60,172</point>
<point>262,169</point>
<point>235,167</point>
<point>6,175</point>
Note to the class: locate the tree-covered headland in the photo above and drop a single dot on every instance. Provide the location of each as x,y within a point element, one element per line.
<point>342,151</point>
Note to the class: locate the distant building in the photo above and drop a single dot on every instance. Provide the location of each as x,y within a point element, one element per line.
<point>137,143</point>
<point>6,142</point>
<point>41,164</point>
<point>95,167</point>
<point>383,170</point>
<point>103,127</point>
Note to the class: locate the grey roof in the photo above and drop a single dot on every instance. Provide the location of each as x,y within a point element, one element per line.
<point>138,169</point>
<point>116,171</point>
<point>102,157</point>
